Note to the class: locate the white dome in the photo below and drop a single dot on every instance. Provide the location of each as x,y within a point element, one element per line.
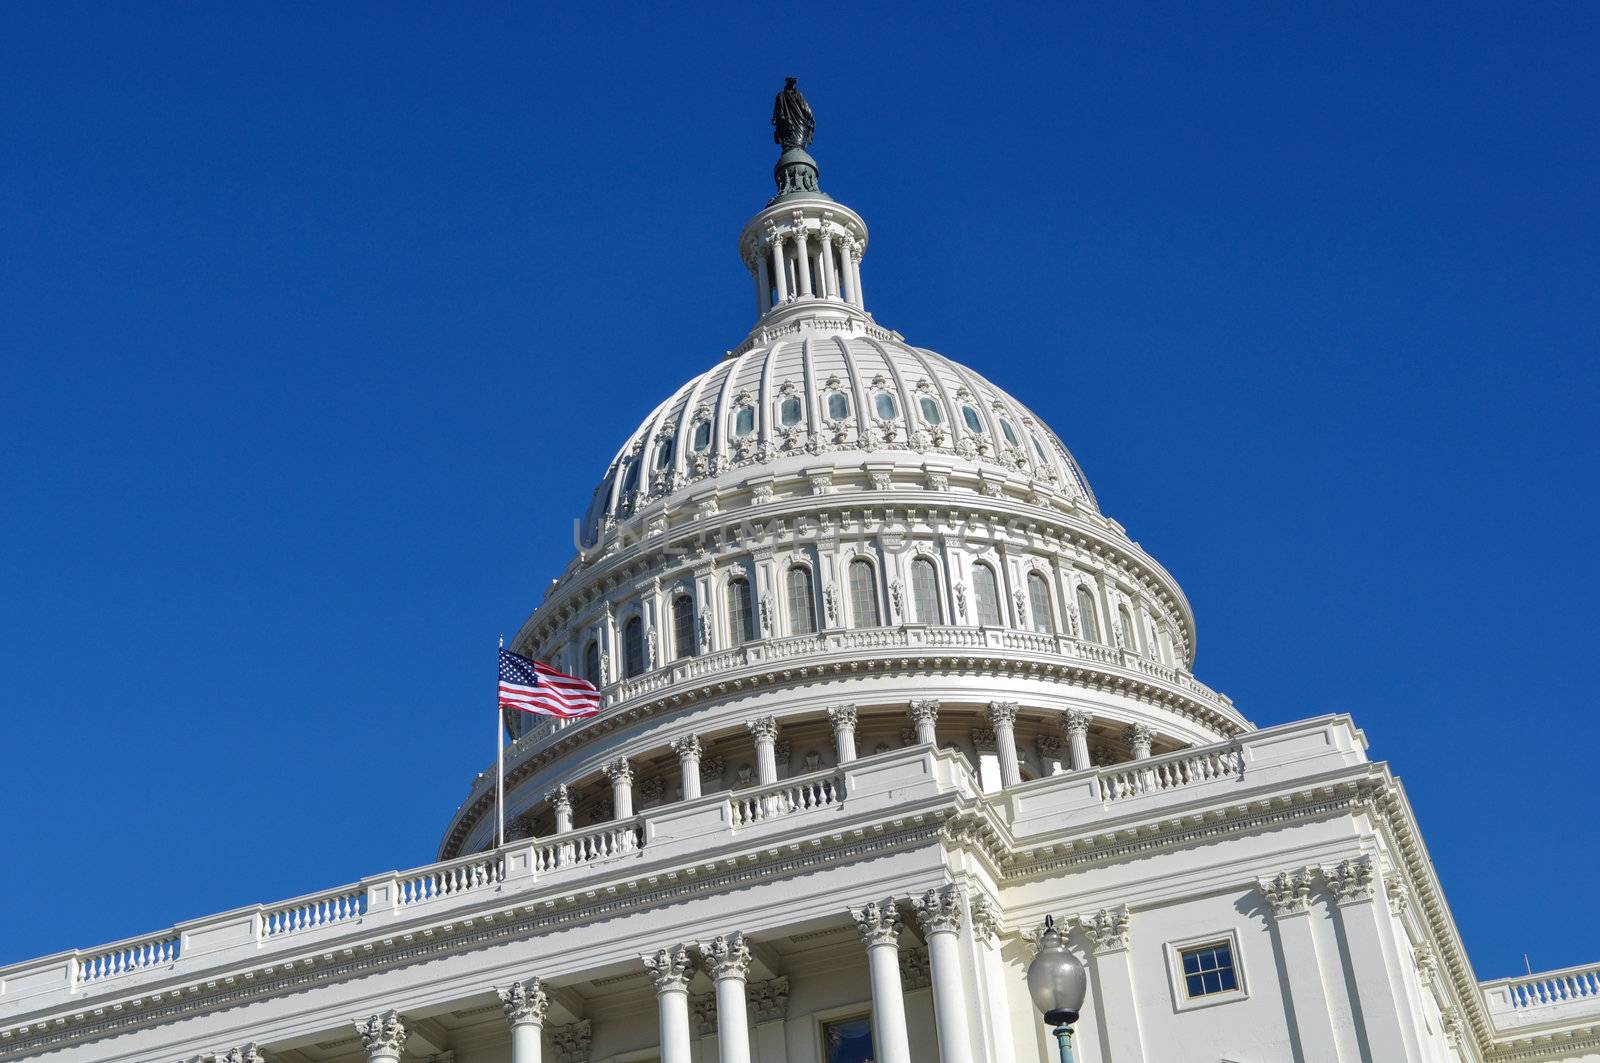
<point>862,397</point>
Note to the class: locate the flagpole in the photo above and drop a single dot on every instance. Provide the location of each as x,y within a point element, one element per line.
<point>499,769</point>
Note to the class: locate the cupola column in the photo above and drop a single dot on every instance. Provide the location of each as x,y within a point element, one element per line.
<point>383,1036</point>
<point>689,750</point>
<point>879,925</point>
<point>925,718</point>
<point>766,735</point>
<point>1076,721</point>
<point>763,283</point>
<point>939,914</point>
<point>779,268</point>
<point>727,960</point>
<point>671,970</point>
<point>802,260</point>
<point>1003,718</point>
<point>830,283</point>
<point>847,283</point>
<point>854,266</point>
<point>620,772</point>
<point>525,1004</point>
<point>561,804</point>
<point>843,719</point>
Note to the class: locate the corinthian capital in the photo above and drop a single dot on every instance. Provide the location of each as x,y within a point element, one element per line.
<point>842,717</point>
<point>1139,736</point>
<point>1075,722</point>
<point>939,911</point>
<point>670,968</point>
<point>1287,891</point>
<point>243,1054</point>
<point>687,747</point>
<point>383,1034</point>
<point>1108,929</point>
<point>619,770</point>
<point>1002,714</point>
<point>559,798</point>
<point>1352,880</point>
<point>764,729</point>
<point>726,956</point>
<point>524,1002</point>
<point>924,710</point>
<point>878,922</point>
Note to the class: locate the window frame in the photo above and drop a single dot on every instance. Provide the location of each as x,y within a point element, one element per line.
<point>1174,950</point>
<point>1031,579</point>
<point>938,590</point>
<point>738,412</point>
<point>841,397</point>
<point>858,564</point>
<point>749,632</point>
<point>680,651</point>
<point>787,403</point>
<point>926,403</point>
<point>628,643</point>
<point>999,619</point>
<point>596,677</point>
<point>788,597</point>
<point>822,1019</point>
<point>1088,614</point>
<point>894,407</point>
<point>972,419</point>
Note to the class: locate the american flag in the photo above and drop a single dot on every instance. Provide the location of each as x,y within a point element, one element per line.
<point>530,686</point>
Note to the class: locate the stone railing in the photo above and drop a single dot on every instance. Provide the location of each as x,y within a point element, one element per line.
<point>449,879</point>
<point>783,798</point>
<point>1548,996</point>
<point>587,846</point>
<point>1170,771</point>
<point>127,957</point>
<point>308,913</point>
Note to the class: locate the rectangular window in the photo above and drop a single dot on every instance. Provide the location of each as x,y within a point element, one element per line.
<point>1209,970</point>
<point>847,1041</point>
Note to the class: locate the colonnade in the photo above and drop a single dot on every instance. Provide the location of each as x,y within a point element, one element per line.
<point>786,270</point>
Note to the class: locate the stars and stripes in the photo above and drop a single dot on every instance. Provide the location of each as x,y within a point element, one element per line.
<point>532,687</point>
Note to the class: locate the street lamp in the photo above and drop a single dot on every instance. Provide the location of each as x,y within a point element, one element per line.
<point>1057,982</point>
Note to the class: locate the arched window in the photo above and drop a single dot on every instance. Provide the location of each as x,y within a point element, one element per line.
<point>1039,604</point>
<point>1129,635</point>
<point>789,411</point>
<point>702,435</point>
<point>631,484</point>
<point>838,406</point>
<point>986,589</point>
<point>633,647</point>
<point>802,601</point>
<point>741,612</point>
<point>925,592</point>
<point>969,415</point>
<point>1009,432</point>
<point>930,411</point>
<point>744,421</point>
<point>864,594</point>
<point>883,402</point>
<point>1091,627</point>
<point>683,626</point>
<point>591,662</point>
<point>664,454</point>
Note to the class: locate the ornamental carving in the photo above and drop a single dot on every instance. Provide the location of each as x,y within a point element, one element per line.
<point>961,601</point>
<point>1139,736</point>
<point>924,710</point>
<point>711,769</point>
<point>983,740</point>
<point>243,1054</point>
<point>524,1002</point>
<point>670,968</point>
<point>560,798</point>
<point>764,729</point>
<point>895,593</point>
<point>878,922</point>
<point>1287,892</point>
<point>571,1042</point>
<point>830,601</point>
<point>1049,747</point>
<point>1108,929</point>
<point>385,1033</point>
<point>1075,722</point>
<point>914,972</point>
<point>938,911</point>
<point>651,790</point>
<point>687,747</point>
<point>726,956</point>
<point>1352,880</point>
<point>985,918</point>
<point>768,1000</point>
<point>842,717</point>
<point>1002,714</point>
<point>619,771</point>
<point>703,1013</point>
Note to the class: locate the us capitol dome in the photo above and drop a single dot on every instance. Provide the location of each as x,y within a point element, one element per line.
<point>893,718</point>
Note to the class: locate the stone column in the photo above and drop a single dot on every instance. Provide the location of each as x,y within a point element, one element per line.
<point>879,924</point>
<point>1108,931</point>
<point>561,802</point>
<point>1357,888</point>
<point>769,1007</point>
<point>830,284</point>
<point>766,735</point>
<point>802,260</point>
<point>1139,737</point>
<point>383,1036</point>
<point>1003,718</point>
<point>847,288</point>
<point>854,266</point>
<point>689,750</point>
<point>780,268</point>
<point>671,970</point>
<point>994,984</point>
<point>525,1004</point>
<point>1076,722</point>
<point>925,718</point>
<point>763,284</point>
<point>843,718</point>
<point>727,960</point>
<point>1289,895</point>
<point>939,914</point>
<point>620,772</point>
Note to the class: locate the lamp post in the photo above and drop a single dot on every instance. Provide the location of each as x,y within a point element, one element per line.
<point>1058,983</point>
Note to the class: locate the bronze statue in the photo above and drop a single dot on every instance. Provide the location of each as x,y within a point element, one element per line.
<point>791,118</point>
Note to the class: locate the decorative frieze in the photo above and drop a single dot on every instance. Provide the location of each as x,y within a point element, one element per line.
<point>703,1013</point>
<point>914,972</point>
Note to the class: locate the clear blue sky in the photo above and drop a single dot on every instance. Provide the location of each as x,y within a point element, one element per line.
<point>319,322</point>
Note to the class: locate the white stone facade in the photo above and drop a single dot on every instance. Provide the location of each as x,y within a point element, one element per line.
<point>883,690</point>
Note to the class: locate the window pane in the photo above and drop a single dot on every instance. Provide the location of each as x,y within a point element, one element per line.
<point>664,454</point>
<point>744,421</point>
<point>741,617</point>
<point>1228,980</point>
<point>1195,985</point>
<point>849,1041</point>
<point>1039,603</point>
<point>838,406</point>
<point>863,594</point>
<point>885,406</point>
<point>591,663</point>
<point>1091,629</point>
<point>1010,433</point>
<point>930,411</point>
<point>1209,970</point>
<point>802,603</point>
<point>969,415</point>
<point>789,412</point>
<point>633,647</point>
<point>1191,963</point>
<point>925,592</point>
<point>683,625</point>
<point>702,435</point>
<point>987,591</point>
<point>1039,450</point>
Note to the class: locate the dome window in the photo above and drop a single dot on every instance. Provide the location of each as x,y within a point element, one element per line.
<point>591,663</point>
<point>1091,628</point>
<point>1039,450</point>
<point>864,594</point>
<point>1009,432</point>
<point>702,436</point>
<point>802,601</point>
<point>741,612</point>
<point>633,647</point>
<point>664,454</point>
<point>789,411</point>
<point>969,415</point>
<point>838,406</point>
<point>631,484</point>
<point>931,412</point>
<point>1129,635</point>
<point>744,421</point>
<point>1044,620</point>
<point>883,403</point>
<point>925,592</point>
<point>683,626</point>
<point>987,590</point>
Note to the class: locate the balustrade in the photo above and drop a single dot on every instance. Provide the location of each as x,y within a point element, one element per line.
<point>755,806</point>
<point>1170,772</point>
<point>322,910</point>
<point>1556,987</point>
<point>122,959</point>
<point>448,880</point>
<point>585,847</point>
